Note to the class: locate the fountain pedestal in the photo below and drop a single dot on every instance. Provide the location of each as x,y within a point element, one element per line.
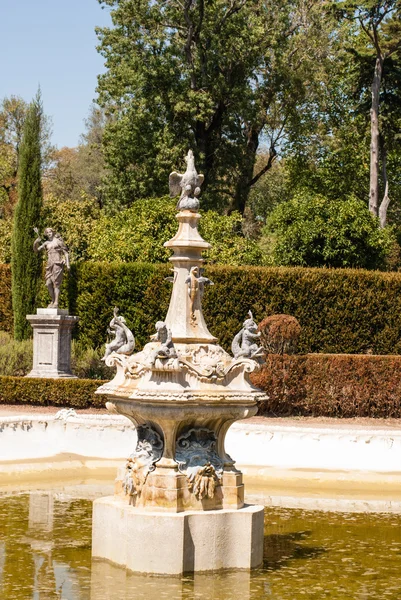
<point>176,543</point>
<point>179,504</point>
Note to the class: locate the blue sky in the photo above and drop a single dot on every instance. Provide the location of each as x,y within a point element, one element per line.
<point>52,43</point>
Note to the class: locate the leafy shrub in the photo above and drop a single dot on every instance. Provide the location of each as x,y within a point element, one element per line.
<point>315,231</point>
<point>86,363</point>
<point>138,234</point>
<point>75,393</point>
<point>73,220</point>
<point>279,334</point>
<point>15,357</point>
<point>322,385</point>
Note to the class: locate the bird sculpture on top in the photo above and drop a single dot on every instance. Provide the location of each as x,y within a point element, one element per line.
<point>188,185</point>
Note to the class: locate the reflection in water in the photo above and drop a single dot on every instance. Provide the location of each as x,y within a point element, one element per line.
<point>45,555</point>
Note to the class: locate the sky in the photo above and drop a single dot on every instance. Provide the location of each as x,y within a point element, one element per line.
<point>52,44</point>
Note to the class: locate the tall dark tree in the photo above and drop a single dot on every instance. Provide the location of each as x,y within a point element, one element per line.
<point>25,264</point>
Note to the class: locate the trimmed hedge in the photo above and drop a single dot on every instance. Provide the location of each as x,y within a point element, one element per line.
<point>74,393</point>
<point>322,385</point>
<point>340,310</point>
<point>317,385</point>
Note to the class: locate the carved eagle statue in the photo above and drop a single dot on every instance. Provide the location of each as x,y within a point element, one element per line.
<point>187,185</point>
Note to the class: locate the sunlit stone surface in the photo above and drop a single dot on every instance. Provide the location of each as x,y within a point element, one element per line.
<point>182,392</point>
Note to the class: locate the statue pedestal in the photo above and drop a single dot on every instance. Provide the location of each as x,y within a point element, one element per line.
<point>51,343</point>
<point>176,543</point>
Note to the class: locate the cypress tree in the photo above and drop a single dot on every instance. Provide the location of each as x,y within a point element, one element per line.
<point>25,264</point>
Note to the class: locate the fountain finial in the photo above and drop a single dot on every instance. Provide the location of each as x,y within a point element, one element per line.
<point>187,184</point>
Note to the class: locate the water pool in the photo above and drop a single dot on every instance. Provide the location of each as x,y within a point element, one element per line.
<point>45,553</point>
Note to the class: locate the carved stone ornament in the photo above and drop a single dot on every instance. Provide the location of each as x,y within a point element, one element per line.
<point>196,286</point>
<point>244,344</point>
<point>123,341</point>
<point>187,184</point>
<point>148,451</point>
<point>197,458</point>
<point>165,349</point>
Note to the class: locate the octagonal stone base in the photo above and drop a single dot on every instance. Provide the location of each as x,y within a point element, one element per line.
<point>176,543</point>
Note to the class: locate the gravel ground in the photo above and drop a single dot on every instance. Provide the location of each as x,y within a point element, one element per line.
<point>359,422</point>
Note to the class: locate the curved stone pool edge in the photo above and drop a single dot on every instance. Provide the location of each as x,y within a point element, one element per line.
<point>284,465</point>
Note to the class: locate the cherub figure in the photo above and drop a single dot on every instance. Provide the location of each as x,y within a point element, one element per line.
<point>166,348</point>
<point>244,344</point>
<point>57,260</point>
<point>123,341</point>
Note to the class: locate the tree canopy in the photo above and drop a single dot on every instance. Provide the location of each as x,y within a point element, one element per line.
<point>215,76</point>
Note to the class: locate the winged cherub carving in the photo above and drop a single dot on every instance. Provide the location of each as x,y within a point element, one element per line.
<point>187,185</point>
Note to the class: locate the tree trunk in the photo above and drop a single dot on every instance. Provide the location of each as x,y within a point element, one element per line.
<point>243,184</point>
<point>386,200</point>
<point>374,138</point>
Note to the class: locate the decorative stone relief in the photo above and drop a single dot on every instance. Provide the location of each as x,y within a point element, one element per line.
<point>148,451</point>
<point>196,286</point>
<point>123,341</point>
<point>186,184</point>
<point>197,458</point>
<point>166,349</point>
<point>244,344</point>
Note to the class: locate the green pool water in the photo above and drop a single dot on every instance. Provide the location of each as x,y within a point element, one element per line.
<point>45,553</point>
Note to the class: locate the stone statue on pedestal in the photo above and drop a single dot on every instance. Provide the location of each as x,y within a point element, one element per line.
<point>57,260</point>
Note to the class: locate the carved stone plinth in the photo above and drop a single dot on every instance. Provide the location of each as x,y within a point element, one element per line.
<point>51,343</point>
<point>177,543</point>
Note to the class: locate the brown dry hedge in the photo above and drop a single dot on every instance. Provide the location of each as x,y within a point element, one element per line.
<point>322,385</point>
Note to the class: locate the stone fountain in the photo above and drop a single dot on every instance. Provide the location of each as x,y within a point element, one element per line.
<point>179,502</point>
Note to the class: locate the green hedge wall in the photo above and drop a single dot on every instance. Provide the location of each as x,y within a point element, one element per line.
<point>340,310</point>
<point>75,393</point>
<point>321,385</point>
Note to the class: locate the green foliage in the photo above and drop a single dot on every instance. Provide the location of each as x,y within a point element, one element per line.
<point>339,310</point>
<point>138,234</point>
<point>74,220</point>
<point>5,240</point>
<point>26,266</point>
<point>6,310</point>
<point>74,393</point>
<point>321,385</point>
<point>229,245</point>
<point>135,234</point>
<point>15,357</point>
<point>209,75</point>
<point>86,363</point>
<point>314,231</point>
